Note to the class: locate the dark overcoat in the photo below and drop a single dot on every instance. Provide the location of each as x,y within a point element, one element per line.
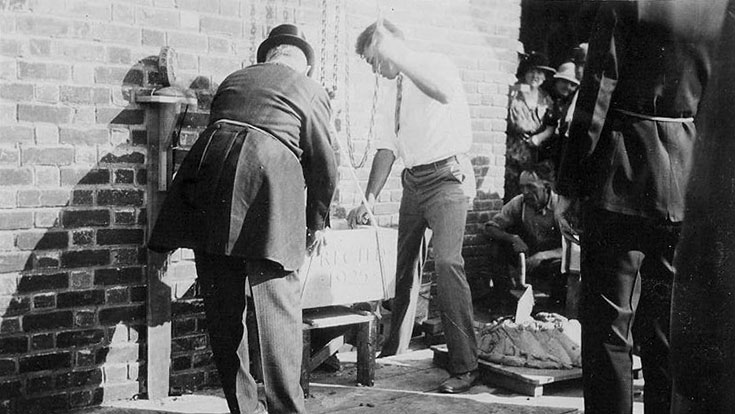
<point>261,173</point>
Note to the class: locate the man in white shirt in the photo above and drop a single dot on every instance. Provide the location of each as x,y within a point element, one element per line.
<point>431,132</point>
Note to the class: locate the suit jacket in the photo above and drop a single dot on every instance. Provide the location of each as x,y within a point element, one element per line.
<point>240,191</point>
<point>621,156</point>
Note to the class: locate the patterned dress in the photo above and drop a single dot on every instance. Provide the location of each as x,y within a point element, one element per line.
<point>523,121</point>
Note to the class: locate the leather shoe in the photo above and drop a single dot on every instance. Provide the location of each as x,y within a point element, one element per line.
<point>459,383</point>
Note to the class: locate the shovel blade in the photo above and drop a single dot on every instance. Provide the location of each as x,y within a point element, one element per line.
<point>525,305</point>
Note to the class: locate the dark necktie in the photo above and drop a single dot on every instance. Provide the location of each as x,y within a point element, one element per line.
<point>399,97</point>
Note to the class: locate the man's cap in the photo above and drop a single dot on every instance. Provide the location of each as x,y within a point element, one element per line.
<point>566,71</point>
<point>287,34</point>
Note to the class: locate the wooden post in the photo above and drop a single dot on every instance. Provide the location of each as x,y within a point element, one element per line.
<point>160,121</point>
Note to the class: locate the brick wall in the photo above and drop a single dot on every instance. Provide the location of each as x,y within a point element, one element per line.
<point>73,165</point>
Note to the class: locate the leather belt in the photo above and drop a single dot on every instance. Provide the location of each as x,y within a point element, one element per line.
<point>433,165</point>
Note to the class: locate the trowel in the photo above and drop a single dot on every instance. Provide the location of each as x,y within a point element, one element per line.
<point>524,295</point>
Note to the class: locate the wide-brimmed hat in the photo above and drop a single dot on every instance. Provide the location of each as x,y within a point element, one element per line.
<point>566,71</point>
<point>287,34</point>
<point>533,60</point>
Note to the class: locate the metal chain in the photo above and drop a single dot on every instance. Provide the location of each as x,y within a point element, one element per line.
<point>323,52</point>
<point>373,109</point>
<point>253,31</point>
<point>337,30</point>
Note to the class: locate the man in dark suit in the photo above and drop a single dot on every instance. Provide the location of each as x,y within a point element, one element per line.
<point>238,200</point>
<point>628,161</point>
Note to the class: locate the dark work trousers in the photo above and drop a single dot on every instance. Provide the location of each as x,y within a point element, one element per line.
<point>435,198</point>
<point>276,296</point>
<point>627,275</point>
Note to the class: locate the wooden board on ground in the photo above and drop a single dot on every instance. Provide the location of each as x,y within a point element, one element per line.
<point>523,380</point>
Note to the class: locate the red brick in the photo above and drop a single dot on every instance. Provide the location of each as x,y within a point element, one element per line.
<point>77,379</point>
<point>13,345</point>
<point>46,218</point>
<point>76,51</point>
<point>85,218</point>
<point>120,117</point>
<point>194,42</point>
<point>75,94</point>
<point>124,156</point>
<point>83,237</point>
<point>123,13</point>
<point>106,237</point>
<point>8,111</point>
<point>47,176</point>
<point>37,385</point>
<point>44,71</point>
<point>83,197</point>
<point>57,360</point>
<point>10,47</point>
<point>125,314</point>
<point>9,325</point>
<point>42,342</point>
<point>101,95</point>
<point>35,25</point>
<point>13,134</point>
<point>42,198</point>
<point>161,18</point>
<point>231,8</point>
<point>218,25</point>
<point>116,33</point>
<point>89,9</point>
<point>84,176</point>
<point>9,156</point>
<point>45,113</point>
<point>41,240</point>
<point>81,280</point>
<point>47,134</point>
<point>43,282</point>
<point>16,91</point>
<point>12,220</point>
<point>44,301</point>
<point>47,93</point>
<point>40,47</point>
<point>48,156</point>
<point>118,276</point>
<point>89,337</point>
<point>85,258</point>
<point>120,197</point>
<point>119,55</point>
<point>84,136</point>
<point>153,37</point>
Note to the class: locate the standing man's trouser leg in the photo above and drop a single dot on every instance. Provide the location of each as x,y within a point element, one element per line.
<point>276,296</point>
<point>435,198</point>
<point>627,275</point>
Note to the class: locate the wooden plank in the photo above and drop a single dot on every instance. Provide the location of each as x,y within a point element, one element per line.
<point>524,380</point>
<point>327,350</point>
<point>333,316</point>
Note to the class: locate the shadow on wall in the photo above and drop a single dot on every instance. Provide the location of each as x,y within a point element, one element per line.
<point>73,299</point>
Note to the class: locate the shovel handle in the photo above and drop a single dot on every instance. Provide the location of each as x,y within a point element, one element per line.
<point>522,262</point>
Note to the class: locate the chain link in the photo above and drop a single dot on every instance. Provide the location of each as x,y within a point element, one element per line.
<point>253,31</point>
<point>323,52</point>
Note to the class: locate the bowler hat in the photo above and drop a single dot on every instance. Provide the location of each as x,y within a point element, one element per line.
<point>286,34</point>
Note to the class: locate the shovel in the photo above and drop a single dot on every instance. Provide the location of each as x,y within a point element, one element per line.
<point>525,295</point>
